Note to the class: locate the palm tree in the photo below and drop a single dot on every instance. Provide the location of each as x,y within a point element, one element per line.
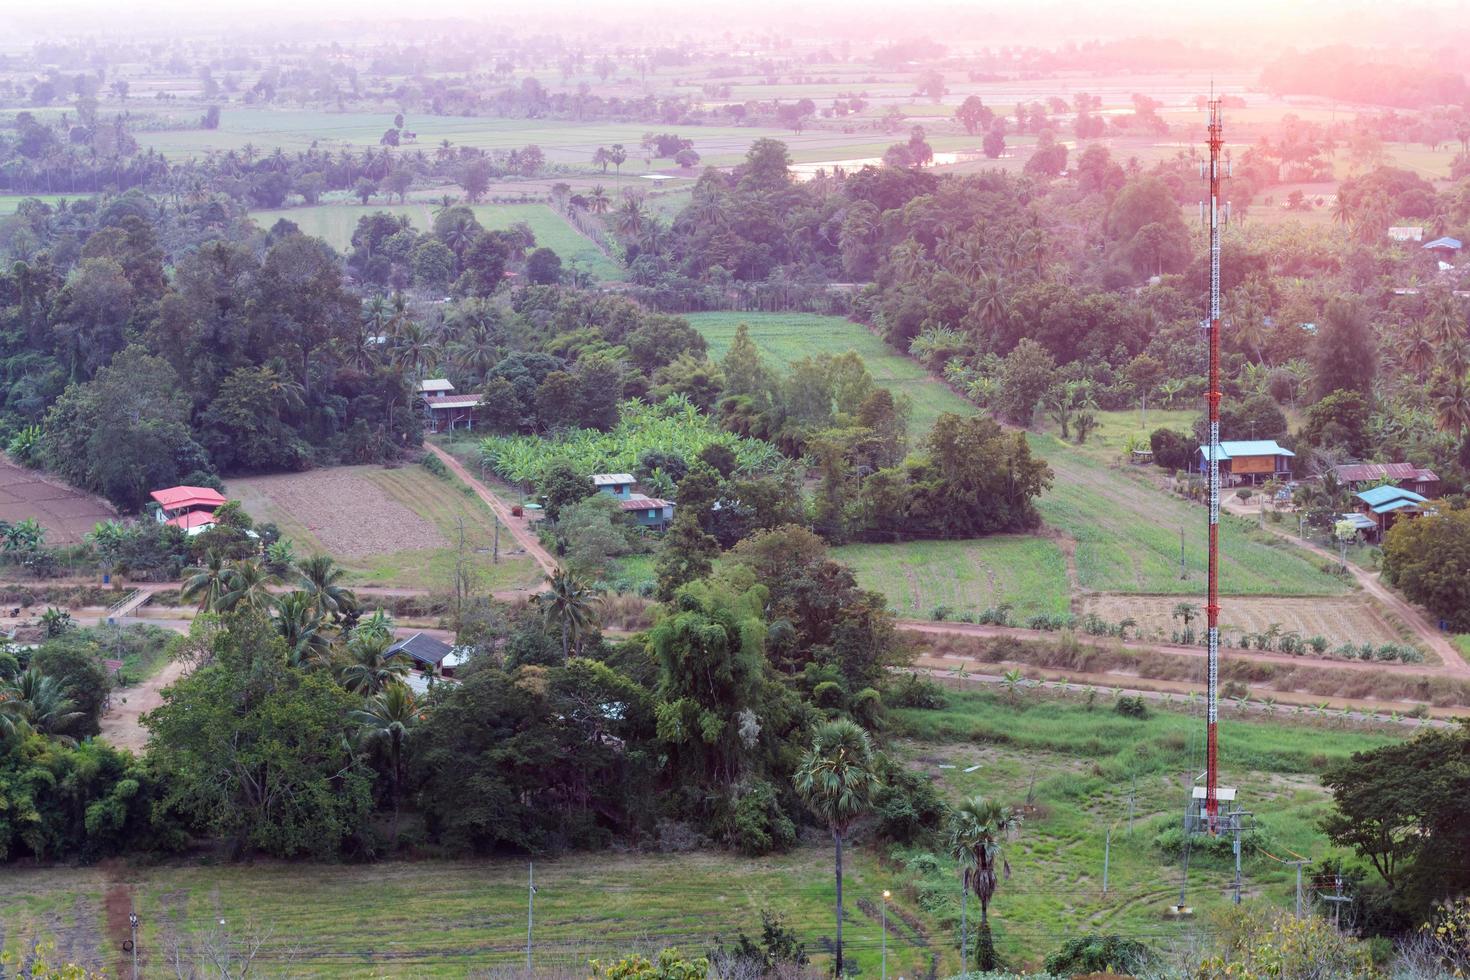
<point>247,587</point>
<point>300,625</point>
<point>388,717</point>
<point>320,576</point>
<point>570,604</point>
<point>35,702</point>
<point>837,779</point>
<point>207,582</point>
<point>598,202</point>
<point>372,670</point>
<point>630,217</point>
<point>977,828</point>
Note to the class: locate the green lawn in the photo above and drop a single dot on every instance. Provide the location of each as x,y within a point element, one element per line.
<point>966,576</point>
<point>786,337</point>
<point>336,222</point>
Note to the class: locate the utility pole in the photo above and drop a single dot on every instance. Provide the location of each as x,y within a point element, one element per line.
<point>1183,568</point>
<point>133,941</point>
<point>884,916</point>
<point>530,909</point>
<point>1132,795</point>
<point>964,926</point>
<point>495,554</point>
<point>1298,865</point>
<point>1107,853</point>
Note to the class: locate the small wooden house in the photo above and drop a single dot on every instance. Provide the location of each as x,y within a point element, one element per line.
<point>1405,476</point>
<point>1252,461</point>
<point>1385,505</point>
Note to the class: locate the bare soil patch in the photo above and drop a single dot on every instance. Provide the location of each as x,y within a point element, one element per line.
<point>64,511</point>
<point>1345,619</point>
<point>349,515</point>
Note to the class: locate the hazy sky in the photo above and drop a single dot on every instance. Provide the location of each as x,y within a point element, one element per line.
<point>1306,23</point>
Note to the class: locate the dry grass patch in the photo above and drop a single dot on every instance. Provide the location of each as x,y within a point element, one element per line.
<point>1344,619</point>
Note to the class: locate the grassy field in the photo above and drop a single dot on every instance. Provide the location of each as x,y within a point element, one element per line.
<point>785,337</point>
<point>336,222</point>
<point>10,202</point>
<point>396,528</point>
<point>1077,765</point>
<point>1081,766</point>
<point>1127,530</point>
<point>966,576</point>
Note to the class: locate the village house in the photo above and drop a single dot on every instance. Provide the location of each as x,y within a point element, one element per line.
<point>1405,476</point>
<point>189,508</point>
<point>645,511</point>
<point>1386,504</point>
<point>1252,461</point>
<point>428,657</point>
<point>446,411</point>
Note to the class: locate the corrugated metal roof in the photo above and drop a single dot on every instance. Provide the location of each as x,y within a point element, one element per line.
<point>175,497</point>
<point>1367,472</point>
<point>638,501</point>
<point>1249,447</point>
<point>435,384</point>
<point>1378,496</point>
<point>1445,242</point>
<point>611,479</point>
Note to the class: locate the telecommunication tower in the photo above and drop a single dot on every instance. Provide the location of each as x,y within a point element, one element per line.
<point>1216,214</point>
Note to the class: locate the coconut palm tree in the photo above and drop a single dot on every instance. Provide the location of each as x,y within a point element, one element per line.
<point>837,780</point>
<point>247,587</point>
<point>570,605</point>
<point>35,702</point>
<point>598,202</point>
<point>1186,611</point>
<point>371,670</point>
<point>630,217</point>
<point>320,578</point>
<point>300,624</point>
<point>388,718</point>
<point>977,829</point>
<point>207,582</point>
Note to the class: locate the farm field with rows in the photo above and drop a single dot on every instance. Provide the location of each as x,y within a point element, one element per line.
<point>389,527</point>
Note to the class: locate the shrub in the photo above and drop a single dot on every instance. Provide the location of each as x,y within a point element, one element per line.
<point>434,465</point>
<point>916,691</point>
<point>758,824</point>
<point>1131,707</point>
<point>1098,954</point>
<point>940,613</point>
<point>907,806</point>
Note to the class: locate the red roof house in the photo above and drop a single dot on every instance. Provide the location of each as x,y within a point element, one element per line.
<point>189,508</point>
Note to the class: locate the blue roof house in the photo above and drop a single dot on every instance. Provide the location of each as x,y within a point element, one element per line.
<point>1386,504</point>
<point>1250,461</point>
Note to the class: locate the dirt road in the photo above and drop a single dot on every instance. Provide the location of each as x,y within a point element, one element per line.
<point>519,527</point>
<point>967,629</point>
<point>120,725</point>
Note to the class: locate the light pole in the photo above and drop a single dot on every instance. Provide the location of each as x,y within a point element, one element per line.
<point>884,918</point>
<point>133,929</point>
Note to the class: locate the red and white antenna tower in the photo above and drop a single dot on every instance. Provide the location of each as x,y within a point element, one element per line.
<point>1216,215</point>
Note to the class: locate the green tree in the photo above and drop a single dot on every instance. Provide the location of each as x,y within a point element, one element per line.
<point>1429,558</point>
<point>1027,374</point>
<point>1344,351</point>
<point>253,749</point>
<point>207,582</point>
<point>74,662</point>
<point>837,779</point>
<point>687,553</point>
<point>35,702</point>
<point>561,484</point>
<point>124,433</point>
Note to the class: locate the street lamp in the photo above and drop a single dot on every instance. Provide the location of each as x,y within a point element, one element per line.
<point>133,943</point>
<point>884,915</point>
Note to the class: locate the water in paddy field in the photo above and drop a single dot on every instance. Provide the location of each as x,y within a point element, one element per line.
<point>806,171</point>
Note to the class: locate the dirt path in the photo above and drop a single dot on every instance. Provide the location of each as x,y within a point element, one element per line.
<point>1427,632</point>
<point>519,527</point>
<point>121,726</point>
<point>1013,632</point>
<point>942,670</point>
